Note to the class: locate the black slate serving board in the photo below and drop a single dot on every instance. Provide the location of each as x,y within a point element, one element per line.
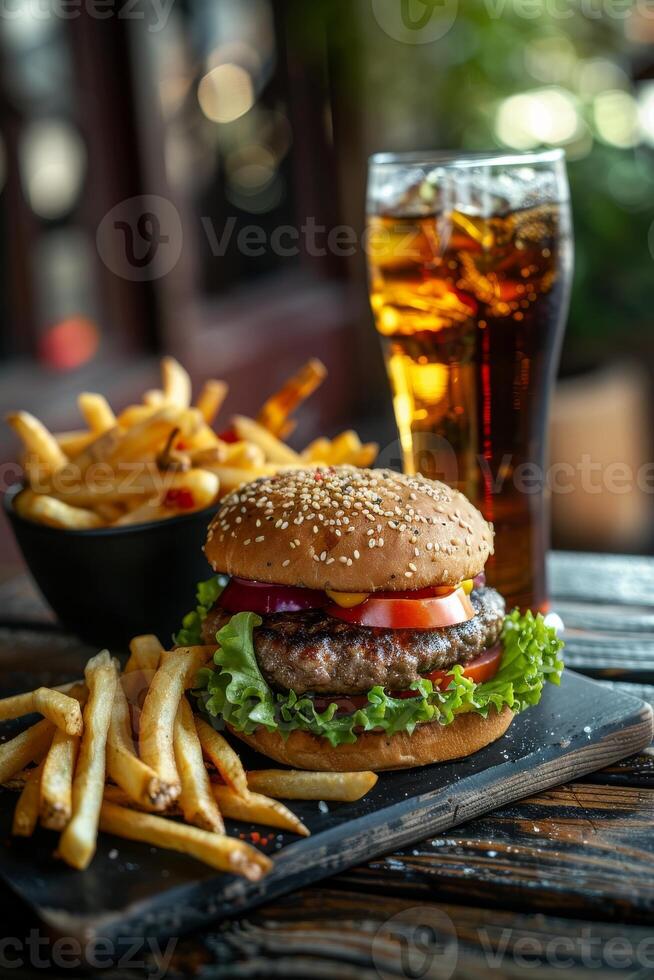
<point>133,890</point>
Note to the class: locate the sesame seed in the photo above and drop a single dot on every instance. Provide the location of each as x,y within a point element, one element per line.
<point>408,574</point>
<point>357,553</point>
<point>286,562</point>
<point>343,559</point>
<point>412,567</point>
<point>260,538</point>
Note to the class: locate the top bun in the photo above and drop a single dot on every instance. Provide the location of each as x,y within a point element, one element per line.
<point>348,529</point>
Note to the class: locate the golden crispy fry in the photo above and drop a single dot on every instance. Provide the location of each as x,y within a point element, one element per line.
<point>44,509</point>
<point>135,414</point>
<point>56,801</point>
<point>78,841</point>
<point>23,704</point>
<point>256,808</point>
<point>318,451</point>
<point>217,850</point>
<point>211,398</point>
<point>176,383</point>
<point>110,511</point>
<point>154,398</point>
<point>37,440</point>
<point>218,750</point>
<point>196,799</point>
<point>366,456</point>
<point>26,813</point>
<point>145,653</point>
<point>74,443</point>
<point>142,440</point>
<point>297,784</point>
<point>97,412</point>
<point>62,710</point>
<point>30,746</point>
<point>177,671</point>
<point>244,454</point>
<point>232,477</point>
<point>276,410</point>
<point>139,781</point>
<point>344,448</point>
<point>275,450</point>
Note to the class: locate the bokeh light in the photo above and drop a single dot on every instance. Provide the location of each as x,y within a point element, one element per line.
<point>616,118</point>
<point>226,93</point>
<point>547,115</point>
<point>52,164</point>
<point>69,344</point>
<point>646,112</point>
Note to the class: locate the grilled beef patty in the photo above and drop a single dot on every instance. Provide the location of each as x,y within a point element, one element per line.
<point>312,652</point>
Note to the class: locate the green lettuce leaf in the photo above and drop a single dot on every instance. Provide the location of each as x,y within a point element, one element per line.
<point>207,592</point>
<point>238,693</point>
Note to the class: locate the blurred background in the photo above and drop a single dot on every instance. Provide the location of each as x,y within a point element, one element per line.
<point>240,118</point>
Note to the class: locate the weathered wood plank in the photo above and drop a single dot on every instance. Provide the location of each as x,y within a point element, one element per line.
<point>325,932</point>
<point>580,849</point>
<point>616,579</point>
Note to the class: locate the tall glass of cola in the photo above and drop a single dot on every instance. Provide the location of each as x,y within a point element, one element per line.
<point>470,262</point>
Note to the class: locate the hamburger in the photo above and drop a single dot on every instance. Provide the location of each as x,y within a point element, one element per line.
<point>355,629</point>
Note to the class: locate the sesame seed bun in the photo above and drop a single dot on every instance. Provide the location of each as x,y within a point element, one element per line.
<point>350,530</point>
<point>430,742</point>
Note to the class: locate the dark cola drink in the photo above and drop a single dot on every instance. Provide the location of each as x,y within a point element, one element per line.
<point>470,270</point>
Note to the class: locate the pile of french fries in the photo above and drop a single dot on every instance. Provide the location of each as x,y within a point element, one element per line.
<point>163,457</point>
<point>124,752</point>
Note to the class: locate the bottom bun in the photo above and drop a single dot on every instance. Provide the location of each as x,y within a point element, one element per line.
<point>430,742</point>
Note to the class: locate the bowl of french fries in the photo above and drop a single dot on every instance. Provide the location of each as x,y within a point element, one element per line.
<point>122,752</point>
<point>111,518</point>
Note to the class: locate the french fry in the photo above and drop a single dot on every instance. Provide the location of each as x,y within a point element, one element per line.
<point>218,750</point>
<point>62,710</point>
<point>74,443</point>
<point>99,450</point>
<point>56,788</point>
<point>30,746</point>
<point>176,383</point>
<point>217,850</point>
<point>44,509</point>
<point>134,414</point>
<point>244,454</point>
<point>256,808</point>
<point>196,800</point>
<point>38,440</point>
<point>177,671</point>
<point>26,813</point>
<point>344,448</point>
<point>275,450</point>
<point>23,704</point>
<point>366,456</point>
<point>154,398</point>
<point>231,477</point>
<point>145,653</point>
<point>318,451</point>
<point>97,412</point>
<point>137,779</point>
<point>298,784</point>
<point>142,440</point>
<point>276,410</point>
<point>211,398</point>
<point>78,841</point>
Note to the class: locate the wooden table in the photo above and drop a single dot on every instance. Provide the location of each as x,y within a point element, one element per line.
<point>563,880</point>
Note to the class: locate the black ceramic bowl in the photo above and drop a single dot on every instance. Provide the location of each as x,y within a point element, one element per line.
<point>110,584</point>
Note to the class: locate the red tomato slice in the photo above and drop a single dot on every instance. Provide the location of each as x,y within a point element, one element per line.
<point>482,668</point>
<point>416,614</point>
<point>240,595</point>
